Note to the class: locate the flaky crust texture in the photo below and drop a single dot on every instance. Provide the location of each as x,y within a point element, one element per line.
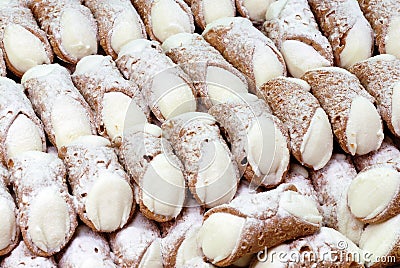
<point>18,13</point>
<point>45,90</point>
<point>379,77</point>
<point>194,58</point>
<point>379,14</point>
<point>294,106</point>
<point>137,151</point>
<point>336,18</point>
<point>106,13</point>
<point>335,90</point>
<point>266,224</point>
<point>144,9</point>
<point>237,43</point>
<point>48,13</point>
<point>106,78</point>
<point>30,174</point>
<point>297,22</point>
<point>13,102</point>
<point>84,164</point>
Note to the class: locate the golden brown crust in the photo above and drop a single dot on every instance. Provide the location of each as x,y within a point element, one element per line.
<point>335,90</point>
<point>294,106</point>
<point>48,14</point>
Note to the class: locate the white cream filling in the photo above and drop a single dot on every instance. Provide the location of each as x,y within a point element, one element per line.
<point>135,46</point>
<point>274,9</point>
<point>177,40</point>
<point>267,150</point>
<point>298,81</point>
<point>152,258</point>
<point>300,206</point>
<point>359,41</point>
<point>379,239</point>
<point>146,128</point>
<point>172,95</point>
<point>216,181</point>
<point>219,235</point>
<point>223,85</point>
<point>119,110</point>
<point>348,225</point>
<point>371,191</point>
<point>383,57</point>
<point>189,248</point>
<point>392,39</point>
<point>23,135</point>
<point>266,64</point>
<point>78,37</point>
<point>8,225</point>
<point>91,140</point>
<point>49,220</point>
<point>213,10</point>
<point>168,18</point>
<point>126,27</point>
<point>39,71</point>
<point>69,120</point>
<point>364,131</point>
<point>163,187</point>
<point>300,57</point>
<point>273,259</point>
<point>109,202</point>
<point>316,148</point>
<point>90,63</point>
<point>257,8</point>
<point>395,120</point>
<point>24,50</point>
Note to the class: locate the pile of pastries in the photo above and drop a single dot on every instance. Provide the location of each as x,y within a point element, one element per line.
<point>199,133</point>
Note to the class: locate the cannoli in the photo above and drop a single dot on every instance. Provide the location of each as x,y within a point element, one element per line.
<point>326,248</point>
<point>3,71</point>
<point>259,141</point>
<point>300,177</point>
<point>292,27</point>
<point>163,18</point>
<point>46,212</point>
<point>384,17</point>
<point>62,109</point>
<point>138,244</point>
<point>247,49</point>
<point>380,77</point>
<point>87,249</point>
<point>150,161</point>
<point>255,10</point>
<point>215,80</point>
<point>250,223</point>
<point>346,28</point>
<point>212,173</point>
<point>386,154</point>
<point>164,85</point>
<point>101,187</point>
<point>116,102</point>
<point>23,43</point>
<point>355,121</point>
<point>9,229</point>
<point>331,184</point>
<point>20,129</point>
<point>374,195</point>
<point>310,132</point>
<point>21,256</point>
<point>70,27</point>
<point>118,23</point>
<point>207,11</point>
<point>179,245</point>
<point>381,242</point>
